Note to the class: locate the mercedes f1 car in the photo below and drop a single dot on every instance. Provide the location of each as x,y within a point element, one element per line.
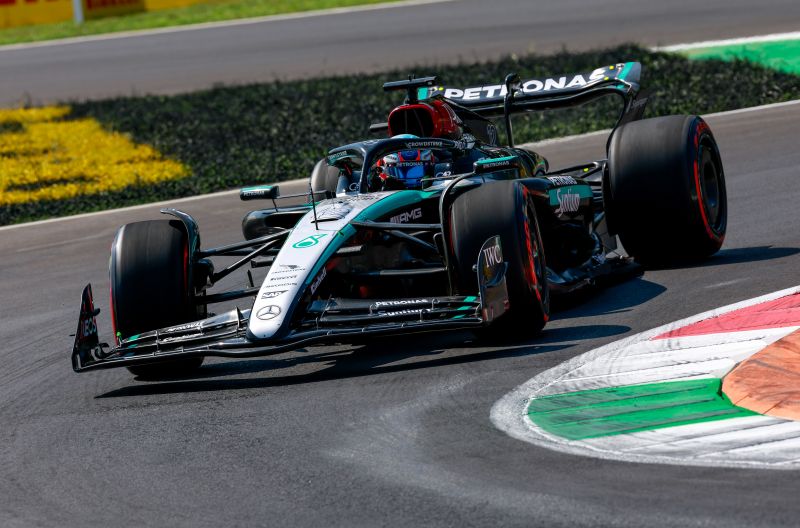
<point>436,227</point>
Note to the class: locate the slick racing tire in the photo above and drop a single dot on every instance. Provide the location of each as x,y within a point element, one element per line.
<point>503,208</point>
<point>150,286</point>
<point>665,193</point>
<point>324,178</point>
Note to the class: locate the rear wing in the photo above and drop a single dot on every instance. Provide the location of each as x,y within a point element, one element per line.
<point>478,104</point>
<point>542,94</point>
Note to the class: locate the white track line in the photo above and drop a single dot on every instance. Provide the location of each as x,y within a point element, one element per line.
<point>223,24</point>
<point>773,37</point>
<point>545,142</point>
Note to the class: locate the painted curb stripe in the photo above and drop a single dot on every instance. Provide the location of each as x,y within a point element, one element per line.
<point>772,314</point>
<point>541,412</point>
<point>633,408</point>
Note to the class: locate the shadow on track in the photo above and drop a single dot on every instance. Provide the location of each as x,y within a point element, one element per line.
<point>633,292</point>
<point>382,356</point>
<point>615,299</point>
<point>737,256</point>
<point>749,254</point>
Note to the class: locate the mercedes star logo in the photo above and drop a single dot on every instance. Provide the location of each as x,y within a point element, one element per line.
<point>269,312</point>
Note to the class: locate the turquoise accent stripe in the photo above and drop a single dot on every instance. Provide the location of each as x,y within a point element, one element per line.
<point>470,299</point>
<point>583,191</point>
<point>495,160</point>
<point>338,241</point>
<point>625,70</point>
<point>396,200</point>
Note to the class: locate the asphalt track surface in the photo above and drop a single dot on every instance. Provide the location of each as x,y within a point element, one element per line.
<point>394,433</point>
<point>371,40</point>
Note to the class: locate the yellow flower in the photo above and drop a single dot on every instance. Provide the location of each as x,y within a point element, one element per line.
<point>44,158</point>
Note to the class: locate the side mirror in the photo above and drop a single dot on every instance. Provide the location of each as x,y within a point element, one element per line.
<point>260,192</point>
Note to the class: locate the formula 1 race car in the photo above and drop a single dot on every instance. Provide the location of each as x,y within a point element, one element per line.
<point>436,227</point>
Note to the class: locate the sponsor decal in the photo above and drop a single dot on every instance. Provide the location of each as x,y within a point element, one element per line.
<point>423,144</point>
<point>468,141</point>
<point>180,338</point>
<point>309,241</point>
<point>567,202</point>
<point>637,103</point>
<point>409,163</point>
<point>272,279</point>
<point>281,285</point>
<point>318,280</point>
<point>404,218</point>
<point>272,294</point>
<point>496,163</point>
<point>336,211</point>
<point>496,91</point>
<point>333,158</point>
<point>493,255</point>
<point>295,267</point>
<point>268,312</point>
<point>255,192</point>
<point>402,302</point>
<point>184,327</point>
<point>283,272</point>
<point>89,327</point>
<point>360,197</point>
<point>402,312</point>
<point>491,131</point>
<point>562,180</point>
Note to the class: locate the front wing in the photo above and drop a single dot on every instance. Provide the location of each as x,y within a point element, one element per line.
<point>325,321</point>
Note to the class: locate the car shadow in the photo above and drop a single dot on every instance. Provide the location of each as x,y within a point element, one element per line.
<point>381,356</point>
<point>735,256</point>
<point>619,298</point>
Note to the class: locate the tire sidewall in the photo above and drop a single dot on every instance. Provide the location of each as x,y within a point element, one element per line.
<point>653,193</point>
<point>506,209</point>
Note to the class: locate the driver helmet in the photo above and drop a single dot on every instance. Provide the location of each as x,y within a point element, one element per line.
<point>407,167</point>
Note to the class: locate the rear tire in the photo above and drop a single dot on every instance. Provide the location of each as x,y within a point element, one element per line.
<point>504,208</point>
<point>666,190</point>
<point>151,288</point>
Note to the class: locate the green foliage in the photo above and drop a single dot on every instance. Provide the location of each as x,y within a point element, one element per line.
<point>233,136</point>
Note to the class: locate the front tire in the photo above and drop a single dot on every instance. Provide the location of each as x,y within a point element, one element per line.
<point>504,208</point>
<point>666,193</point>
<point>151,287</point>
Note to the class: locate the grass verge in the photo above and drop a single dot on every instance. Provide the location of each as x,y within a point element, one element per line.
<point>214,11</point>
<point>783,55</point>
<point>233,136</point>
